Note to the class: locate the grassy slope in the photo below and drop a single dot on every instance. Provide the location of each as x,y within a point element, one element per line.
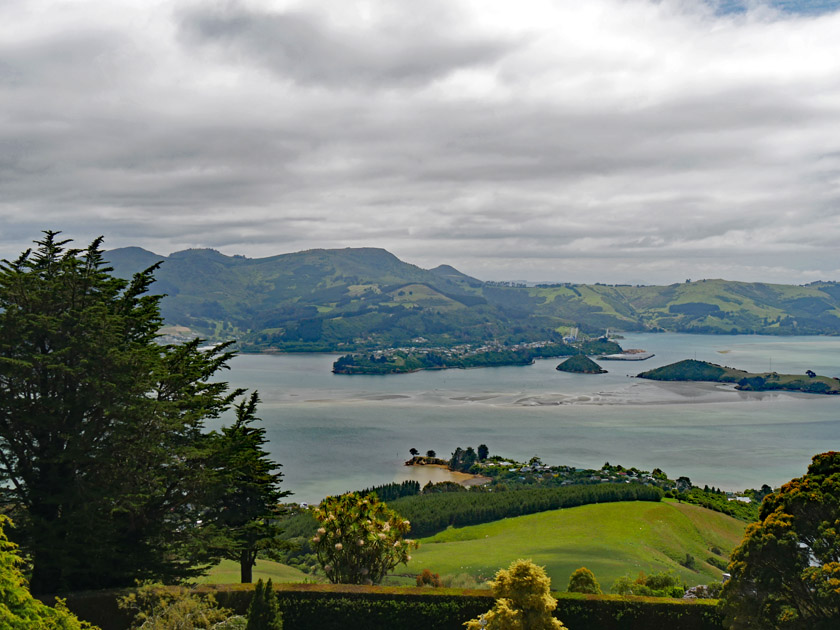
<point>610,539</point>
<point>227,572</point>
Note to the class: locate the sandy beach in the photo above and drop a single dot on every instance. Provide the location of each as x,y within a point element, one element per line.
<point>437,473</point>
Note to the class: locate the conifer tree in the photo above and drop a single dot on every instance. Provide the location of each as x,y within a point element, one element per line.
<point>264,610</point>
<point>249,490</point>
<point>104,460</point>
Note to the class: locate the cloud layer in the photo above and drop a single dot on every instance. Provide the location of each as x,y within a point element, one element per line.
<point>607,140</point>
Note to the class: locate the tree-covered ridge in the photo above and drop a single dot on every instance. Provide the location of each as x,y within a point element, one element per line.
<point>362,299</point>
<point>505,474</point>
<point>693,370</point>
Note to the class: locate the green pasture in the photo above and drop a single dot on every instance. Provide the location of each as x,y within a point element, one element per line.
<point>611,539</point>
<point>227,572</point>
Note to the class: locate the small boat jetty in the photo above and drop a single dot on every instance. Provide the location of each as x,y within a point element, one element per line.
<point>633,354</point>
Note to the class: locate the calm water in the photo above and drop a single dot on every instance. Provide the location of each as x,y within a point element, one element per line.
<point>334,433</point>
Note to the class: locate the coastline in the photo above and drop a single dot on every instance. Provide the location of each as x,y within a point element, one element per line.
<point>436,473</point>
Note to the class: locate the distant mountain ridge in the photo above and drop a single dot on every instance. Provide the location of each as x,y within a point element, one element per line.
<point>358,298</point>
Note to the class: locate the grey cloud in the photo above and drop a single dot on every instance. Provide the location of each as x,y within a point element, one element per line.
<point>208,131</point>
<point>302,47</point>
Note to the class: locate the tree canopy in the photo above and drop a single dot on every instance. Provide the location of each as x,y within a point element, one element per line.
<point>786,572</point>
<point>104,460</point>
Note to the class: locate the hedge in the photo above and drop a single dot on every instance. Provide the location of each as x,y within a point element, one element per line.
<point>334,607</point>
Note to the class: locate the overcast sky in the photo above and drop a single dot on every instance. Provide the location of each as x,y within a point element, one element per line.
<point>599,140</point>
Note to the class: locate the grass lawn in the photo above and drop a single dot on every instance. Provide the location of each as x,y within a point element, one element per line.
<point>227,572</point>
<point>611,539</point>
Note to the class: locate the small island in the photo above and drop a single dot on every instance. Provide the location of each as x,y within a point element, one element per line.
<point>405,360</point>
<point>580,364</point>
<point>693,370</point>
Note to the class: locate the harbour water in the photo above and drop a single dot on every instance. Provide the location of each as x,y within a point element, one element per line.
<point>334,433</point>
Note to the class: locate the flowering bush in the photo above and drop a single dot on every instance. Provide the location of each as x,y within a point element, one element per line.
<point>359,539</point>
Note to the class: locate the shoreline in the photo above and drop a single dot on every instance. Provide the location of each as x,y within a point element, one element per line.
<point>423,473</point>
<point>440,368</point>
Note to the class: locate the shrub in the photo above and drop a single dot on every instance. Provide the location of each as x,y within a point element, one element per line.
<point>427,578</point>
<point>664,584</point>
<point>523,601</point>
<point>459,580</point>
<point>18,609</point>
<point>162,608</point>
<point>583,581</point>
<point>716,562</point>
<point>689,562</point>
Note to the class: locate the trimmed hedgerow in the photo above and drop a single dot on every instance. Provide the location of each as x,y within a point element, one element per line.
<point>335,606</point>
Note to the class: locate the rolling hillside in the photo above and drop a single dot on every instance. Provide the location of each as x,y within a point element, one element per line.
<point>704,306</point>
<point>329,300</point>
<point>611,539</point>
<point>357,299</point>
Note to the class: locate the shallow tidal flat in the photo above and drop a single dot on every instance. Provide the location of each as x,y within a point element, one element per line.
<point>335,433</point>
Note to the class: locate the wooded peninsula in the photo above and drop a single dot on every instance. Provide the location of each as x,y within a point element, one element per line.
<point>405,360</point>
<point>693,370</point>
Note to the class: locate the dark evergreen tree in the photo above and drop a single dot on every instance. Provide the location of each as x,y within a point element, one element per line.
<point>249,490</point>
<point>264,611</point>
<point>103,458</point>
<point>483,452</point>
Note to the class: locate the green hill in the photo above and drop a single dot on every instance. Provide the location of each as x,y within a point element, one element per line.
<point>357,299</point>
<point>611,539</point>
<point>227,572</point>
